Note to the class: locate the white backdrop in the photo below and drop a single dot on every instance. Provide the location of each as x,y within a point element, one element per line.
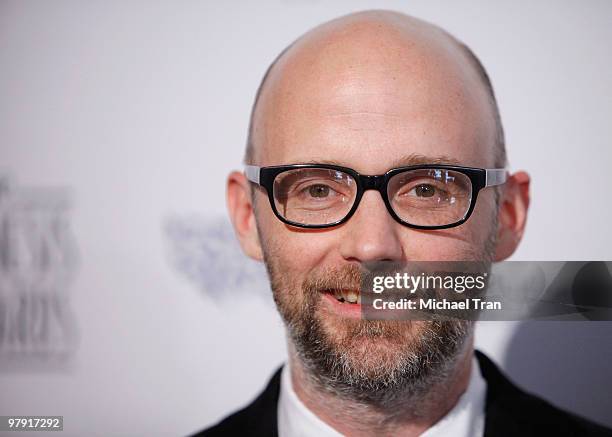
<point>140,109</point>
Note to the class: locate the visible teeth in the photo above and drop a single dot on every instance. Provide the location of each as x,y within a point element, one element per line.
<point>351,296</point>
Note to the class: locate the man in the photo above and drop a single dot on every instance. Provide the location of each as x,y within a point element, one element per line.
<point>367,94</point>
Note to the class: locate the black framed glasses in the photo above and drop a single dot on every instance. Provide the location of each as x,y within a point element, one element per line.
<point>435,196</point>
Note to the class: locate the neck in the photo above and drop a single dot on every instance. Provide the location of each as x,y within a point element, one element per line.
<point>410,417</point>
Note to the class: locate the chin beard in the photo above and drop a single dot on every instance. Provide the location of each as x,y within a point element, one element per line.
<point>383,364</point>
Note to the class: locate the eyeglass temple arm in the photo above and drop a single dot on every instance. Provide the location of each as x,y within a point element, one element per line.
<point>252,173</point>
<point>495,176</point>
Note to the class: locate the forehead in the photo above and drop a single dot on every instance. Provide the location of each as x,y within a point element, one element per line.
<point>369,94</point>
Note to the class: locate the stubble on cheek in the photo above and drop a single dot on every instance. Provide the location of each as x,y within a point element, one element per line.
<point>368,346</point>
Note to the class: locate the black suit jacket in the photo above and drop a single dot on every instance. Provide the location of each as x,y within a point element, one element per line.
<point>509,411</point>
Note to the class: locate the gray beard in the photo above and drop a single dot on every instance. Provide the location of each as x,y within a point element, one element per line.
<point>428,363</point>
<point>421,359</point>
<point>419,370</point>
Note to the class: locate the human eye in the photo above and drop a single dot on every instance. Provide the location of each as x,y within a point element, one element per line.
<point>314,190</point>
<point>317,191</point>
<point>426,191</point>
<point>429,191</point>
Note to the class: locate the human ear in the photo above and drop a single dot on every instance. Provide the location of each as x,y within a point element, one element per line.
<point>512,214</point>
<point>242,214</point>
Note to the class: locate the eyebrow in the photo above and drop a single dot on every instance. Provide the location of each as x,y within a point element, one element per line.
<point>403,161</point>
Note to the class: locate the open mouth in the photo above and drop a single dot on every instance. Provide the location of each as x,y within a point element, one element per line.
<point>346,296</point>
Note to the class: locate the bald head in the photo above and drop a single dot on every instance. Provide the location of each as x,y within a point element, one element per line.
<point>373,74</point>
<point>371,91</point>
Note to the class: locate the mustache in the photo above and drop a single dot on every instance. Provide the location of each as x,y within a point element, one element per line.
<point>348,277</point>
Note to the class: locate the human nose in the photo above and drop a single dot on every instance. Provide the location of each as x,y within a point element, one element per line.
<point>371,233</point>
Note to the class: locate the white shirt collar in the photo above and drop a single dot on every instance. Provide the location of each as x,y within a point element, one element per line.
<point>465,419</point>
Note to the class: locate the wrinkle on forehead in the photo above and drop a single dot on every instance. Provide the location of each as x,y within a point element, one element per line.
<point>367,70</point>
